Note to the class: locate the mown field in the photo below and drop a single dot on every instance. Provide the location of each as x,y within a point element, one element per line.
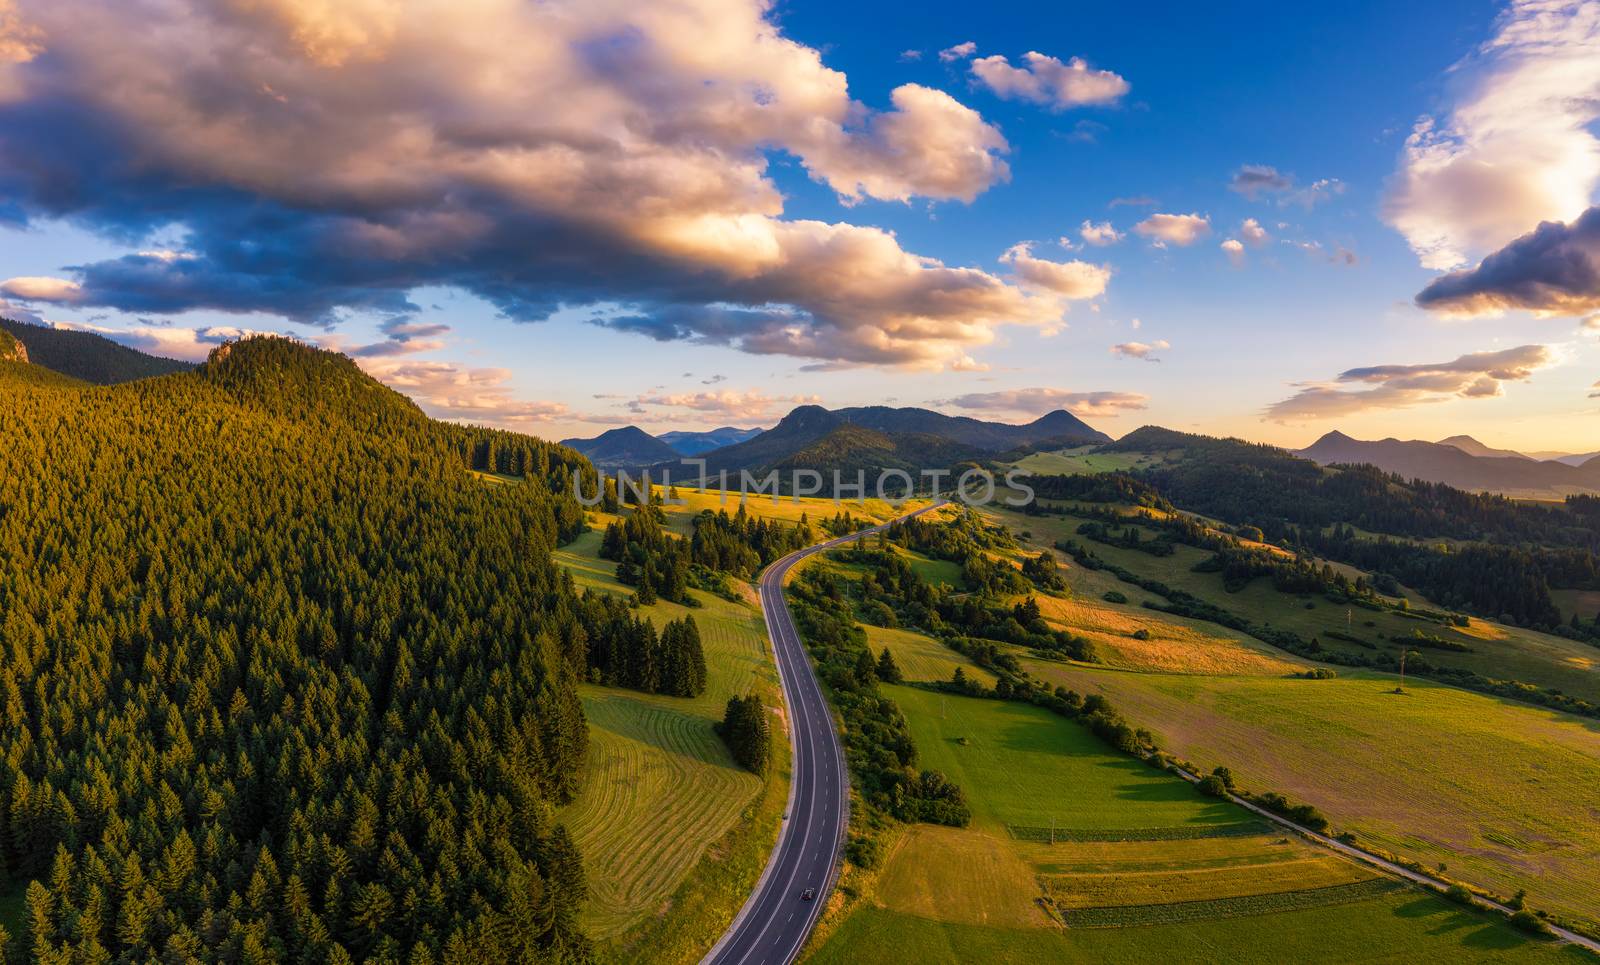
<point>1142,868</point>
<point>1496,650</point>
<point>661,791</point>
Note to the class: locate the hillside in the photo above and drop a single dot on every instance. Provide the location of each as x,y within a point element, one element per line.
<point>909,439</point>
<point>694,443</point>
<point>627,448</point>
<point>87,356</point>
<point>1492,471</point>
<point>225,597</point>
<point>854,449</point>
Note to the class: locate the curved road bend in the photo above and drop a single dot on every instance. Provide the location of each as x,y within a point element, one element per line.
<point>773,925</point>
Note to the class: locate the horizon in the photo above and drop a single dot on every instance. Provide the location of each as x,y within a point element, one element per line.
<point>1235,222</point>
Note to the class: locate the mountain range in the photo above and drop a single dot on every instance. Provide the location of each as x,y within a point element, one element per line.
<point>876,438</point>
<point>866,438</point>
<point>1464,463</point>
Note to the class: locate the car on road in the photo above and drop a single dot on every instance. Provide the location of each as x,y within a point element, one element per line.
<point>808,894</point>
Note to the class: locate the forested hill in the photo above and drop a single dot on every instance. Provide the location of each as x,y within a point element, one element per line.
<point>87,356</point>
<point>281,679</point>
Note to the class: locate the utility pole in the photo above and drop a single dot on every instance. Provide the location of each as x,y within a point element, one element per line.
<point>1403,655</point>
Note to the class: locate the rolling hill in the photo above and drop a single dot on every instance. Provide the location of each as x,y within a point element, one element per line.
<point>627,447</point>
<point>1490,470</point>
<point>87,356</point>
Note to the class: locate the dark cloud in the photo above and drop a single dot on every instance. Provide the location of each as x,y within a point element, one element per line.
<point>1254,180</point>
<point>1554,270</point>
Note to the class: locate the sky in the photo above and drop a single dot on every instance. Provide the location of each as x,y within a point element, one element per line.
<point>1251,219</point>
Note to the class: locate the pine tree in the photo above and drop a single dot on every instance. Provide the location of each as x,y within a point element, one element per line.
<point>887,670</point>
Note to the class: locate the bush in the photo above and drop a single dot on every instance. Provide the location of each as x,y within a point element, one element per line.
<point>1141,634</point>
<point>1460,895</point>
<point>1115,596</point>
<point>1213,785</point>
<point>1526,921</point>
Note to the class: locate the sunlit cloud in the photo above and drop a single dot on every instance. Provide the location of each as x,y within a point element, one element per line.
<point>1141,350</point>
<point>1516,149</point>
<point>1479,375</point>
<point>355,153</point>
<point>1046,80</point>
<point>1072,280</point>
<point>1176,229</point>
<point>1099,234</point>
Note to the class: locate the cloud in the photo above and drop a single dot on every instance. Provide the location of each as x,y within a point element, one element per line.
<point>1141,350</point>
<point>960,51</point>
<point>448,390</point>
<point>1099,234</point>
<point>728,404</point>
<point>1046,80</point>
<point>1234,249</point>
<point>56,291</point>
<point>1254,180</point>
<point>593,155</point>
<point>1594,392</point>
<point>1037,401</point>
<point>1072,280</point>
<point>907,56</point>
<point>1475,376</point>
<point>403,337</point>
<point>189,344</point>
<point>1516,148</point>
<point>1177,229</point>
<point>1316,192</point>
<point>1137,201</point>
<point>1251,231</point>
<point>1554,270</point>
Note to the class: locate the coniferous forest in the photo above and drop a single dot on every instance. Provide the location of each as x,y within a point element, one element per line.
<point>281,680</point>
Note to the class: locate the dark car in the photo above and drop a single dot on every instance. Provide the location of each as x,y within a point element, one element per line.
<point>808,894</point>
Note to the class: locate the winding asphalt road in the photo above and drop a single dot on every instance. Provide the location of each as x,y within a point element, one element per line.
<point>773,925</point>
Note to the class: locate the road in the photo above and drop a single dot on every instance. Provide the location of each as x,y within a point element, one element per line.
<point>773,925</point>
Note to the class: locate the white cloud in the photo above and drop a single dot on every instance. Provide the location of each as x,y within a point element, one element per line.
<point>958,52</point>
<point>1234,249</point>
<point>1251,231</point>
<point>1475,376</point>
<point>1099,234</point>
<point>1034,402</point>
<point>1046,80</point>
<point>1177,229</point>
<point>1072,280</point>
<point>1141,350</point>
<point>1516,148</point>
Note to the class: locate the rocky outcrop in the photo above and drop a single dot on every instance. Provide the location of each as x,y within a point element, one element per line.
<point>12,349</point>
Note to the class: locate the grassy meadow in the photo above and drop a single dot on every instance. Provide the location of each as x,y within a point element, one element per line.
<point>1137,866</point>
<point>661,793</point>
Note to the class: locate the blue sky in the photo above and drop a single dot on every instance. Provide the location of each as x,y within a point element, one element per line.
<point>1307,325</point>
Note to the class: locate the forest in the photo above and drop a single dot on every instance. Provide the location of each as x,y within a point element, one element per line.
<point>281,680</point>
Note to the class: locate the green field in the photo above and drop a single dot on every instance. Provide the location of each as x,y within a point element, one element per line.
<point>661,792</point>
<point>1083,459</point>
<point>1504,793</point>
<point>1224,888</point>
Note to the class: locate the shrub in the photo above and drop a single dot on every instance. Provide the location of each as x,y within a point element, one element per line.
<point>1459,894</point>
<point>1115,596</point>
<point>1141,634</point>
<point>1526,921</point>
